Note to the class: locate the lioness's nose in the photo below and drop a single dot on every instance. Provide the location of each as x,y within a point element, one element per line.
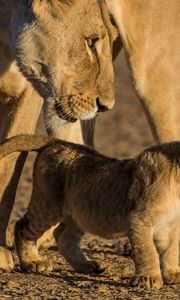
<point>103,107</point>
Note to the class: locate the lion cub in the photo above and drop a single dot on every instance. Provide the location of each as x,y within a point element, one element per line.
<point>85,191</point>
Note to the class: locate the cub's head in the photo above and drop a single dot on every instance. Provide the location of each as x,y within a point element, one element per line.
<point>64,47</point>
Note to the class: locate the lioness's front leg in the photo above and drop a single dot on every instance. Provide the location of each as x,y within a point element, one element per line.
<point>147,267</point>
<point>16,117</point>
<point>154,70</point>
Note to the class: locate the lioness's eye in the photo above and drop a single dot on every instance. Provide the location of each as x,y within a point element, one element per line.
<point>91,42</point>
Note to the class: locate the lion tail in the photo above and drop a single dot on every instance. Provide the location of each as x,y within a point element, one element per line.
<point>24,143</point>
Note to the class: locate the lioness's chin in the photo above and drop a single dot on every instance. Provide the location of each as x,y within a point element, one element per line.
<point>89,116</point>
<point>53,121</point>
<point>55,115</point>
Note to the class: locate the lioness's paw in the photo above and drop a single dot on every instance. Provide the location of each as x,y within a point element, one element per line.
<point>172,277</point>
<point>37,267</point>
<point>147,282</point>
<point>89,267</point>
<point>6,260</point>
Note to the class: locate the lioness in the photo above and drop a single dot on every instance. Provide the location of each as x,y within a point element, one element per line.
<point>59,51</point>
<point>87,191</point>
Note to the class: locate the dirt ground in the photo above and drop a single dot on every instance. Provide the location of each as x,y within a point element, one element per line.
<point>122,132</point>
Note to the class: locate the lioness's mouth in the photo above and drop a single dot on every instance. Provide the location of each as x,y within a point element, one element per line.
<point>64,116</point>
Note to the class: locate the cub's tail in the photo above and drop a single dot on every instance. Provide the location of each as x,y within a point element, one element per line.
<point>24,143</point>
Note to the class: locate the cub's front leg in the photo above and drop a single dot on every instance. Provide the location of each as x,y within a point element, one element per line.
<point>27,250</point>
<point>167,243</point>
<point>144,253</point>
<point>39,218</point>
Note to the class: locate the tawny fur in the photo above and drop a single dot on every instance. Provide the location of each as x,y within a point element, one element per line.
<point>85,191</point>
<point>150,31</point>
<point>59,51</point>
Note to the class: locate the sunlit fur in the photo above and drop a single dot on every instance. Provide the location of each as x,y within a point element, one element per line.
<point>88,192</point>
<point>150,31</point>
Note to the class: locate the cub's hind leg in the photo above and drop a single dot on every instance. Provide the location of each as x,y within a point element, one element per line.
<point>167,243</point>
<point>41,215</point>
<point>144,253</point>
<point>68,236</point>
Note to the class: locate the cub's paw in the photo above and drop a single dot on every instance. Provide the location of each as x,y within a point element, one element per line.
<point>172,278</point>
<point>89,267</point>
<point>6,260</point>
<point>147,282</point>
<point>37,266</point>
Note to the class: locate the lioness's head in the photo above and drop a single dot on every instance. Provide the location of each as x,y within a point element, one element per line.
<point>63,47</point>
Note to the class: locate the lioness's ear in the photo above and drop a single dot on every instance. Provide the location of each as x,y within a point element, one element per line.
<point>114,32</point>
<point>40,7</point>
<point>54,7</point>
<point>115,28</point>
<point>107,20</point>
